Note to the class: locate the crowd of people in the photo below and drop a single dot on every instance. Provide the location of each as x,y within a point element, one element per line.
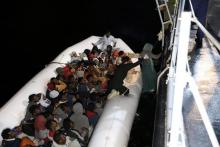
<point>65,115</point>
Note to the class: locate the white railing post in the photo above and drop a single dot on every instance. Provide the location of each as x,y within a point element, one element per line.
<point>180,81</point>
<point>179,75</point>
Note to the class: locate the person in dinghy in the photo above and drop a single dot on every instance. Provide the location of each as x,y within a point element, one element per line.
<point>116,86</point>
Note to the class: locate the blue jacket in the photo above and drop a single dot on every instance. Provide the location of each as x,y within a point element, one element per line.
<point>11,142</point>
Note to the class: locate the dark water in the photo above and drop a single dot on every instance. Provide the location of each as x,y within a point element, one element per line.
<point>34,32</point>
<point>143,126</point>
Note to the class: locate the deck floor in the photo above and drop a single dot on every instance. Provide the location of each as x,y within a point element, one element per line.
<point>205,68</point>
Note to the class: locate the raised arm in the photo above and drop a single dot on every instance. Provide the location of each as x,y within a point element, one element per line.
<point>132,65</point>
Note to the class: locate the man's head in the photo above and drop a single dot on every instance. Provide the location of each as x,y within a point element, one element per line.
<point>147,48</point>
<point>108,34</point>
<point>34,98</point>
<point>109,48</point>
<point>121,53</point>
<point>7,134</point>
<point>35,110</point>
<point>59,138</point>
<point>68,124</point>
<point>125,59</point>
<point>52,125</point>
<point>54,80</point>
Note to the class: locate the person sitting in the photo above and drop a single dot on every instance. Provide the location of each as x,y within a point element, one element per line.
<point>52,126</point>
<point>120,55</point>
<point>61,112</point>
<point>116,83</point>
<point>75,58</point>
<point>56,84</point>
<point>30,115</point>
<point>106,40</point>
<point>83,90</point>
<point>81,121</point>
<point>41,131</point>
<point>68,128</point>
<point>91,114</point>
<point>61,140</point>
<point>33,100</point>
<point>109,49</point>
<point>9,138</point>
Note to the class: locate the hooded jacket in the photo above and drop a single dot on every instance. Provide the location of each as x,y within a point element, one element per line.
<point>78,118</point>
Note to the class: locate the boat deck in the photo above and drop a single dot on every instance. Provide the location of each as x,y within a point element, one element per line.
<point>205,68</point>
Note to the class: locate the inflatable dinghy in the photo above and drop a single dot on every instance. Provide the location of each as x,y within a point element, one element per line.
<point>114,125</point>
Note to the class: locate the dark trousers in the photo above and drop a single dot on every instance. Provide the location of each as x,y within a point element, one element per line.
<point>123,90</point>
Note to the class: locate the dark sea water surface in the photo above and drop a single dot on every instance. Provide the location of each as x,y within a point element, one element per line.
<point>143,125</point>
<point>34,32</point>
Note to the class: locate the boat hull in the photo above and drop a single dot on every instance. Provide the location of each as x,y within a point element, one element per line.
<point>114,125</point>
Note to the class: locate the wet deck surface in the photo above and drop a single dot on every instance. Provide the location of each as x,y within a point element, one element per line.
<point>205,68</point>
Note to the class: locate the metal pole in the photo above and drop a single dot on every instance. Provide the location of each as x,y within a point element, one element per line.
<point>180,80</point>
<point>208,35</point>
<point>160,75</point>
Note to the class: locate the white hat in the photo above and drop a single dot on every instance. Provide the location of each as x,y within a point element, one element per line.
<point>92,90</point>
<point>83,56</point>
<point>44,102</point>
<point>53,94</point>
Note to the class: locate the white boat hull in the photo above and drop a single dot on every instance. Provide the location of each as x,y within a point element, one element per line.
<point>114,125</point>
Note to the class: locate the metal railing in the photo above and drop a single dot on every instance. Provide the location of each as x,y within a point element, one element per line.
<point>179,76</point>
<point>162,4</point>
